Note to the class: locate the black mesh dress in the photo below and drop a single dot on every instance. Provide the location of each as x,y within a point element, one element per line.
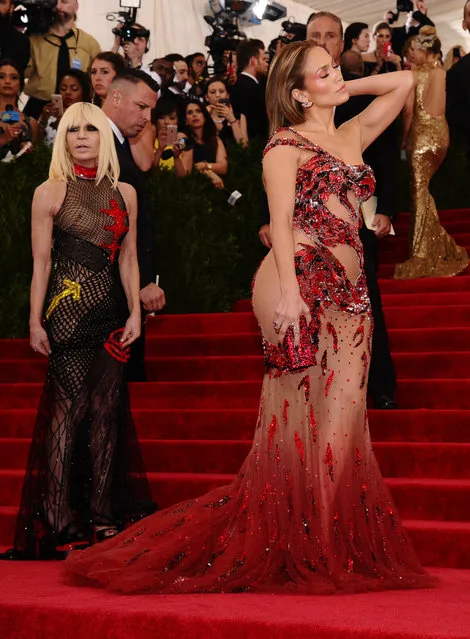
<point>84,446</point>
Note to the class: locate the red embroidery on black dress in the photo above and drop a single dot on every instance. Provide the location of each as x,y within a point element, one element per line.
<point>118,228</point>
<point>114,347</point>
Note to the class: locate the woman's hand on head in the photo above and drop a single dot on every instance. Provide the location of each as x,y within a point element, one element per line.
<point>289,310</point>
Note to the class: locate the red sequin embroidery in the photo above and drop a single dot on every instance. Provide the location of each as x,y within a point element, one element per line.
<point>300,447</point>
<point>118,228</point>
<point>114,347</point>
<point>329,461</point>
<point>272,430</point>
<point>313,423</point>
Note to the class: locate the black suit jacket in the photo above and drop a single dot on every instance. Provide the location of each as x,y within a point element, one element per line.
<point>382,155</point>
<point>15,46</point>
<point>146,253</point>
<point>400,35</point>
<point>249,98</point>
<point>458,98</point>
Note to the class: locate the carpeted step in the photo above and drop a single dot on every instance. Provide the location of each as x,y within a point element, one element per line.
<point>400,459</point>
<point>438,543</point>
<point>401,242</point>
<point>187,424</point>
<point>425,285</point>
<point>219,323</point>
<point>249,367</point>
<point>411,394</point>
<point>428,499</point>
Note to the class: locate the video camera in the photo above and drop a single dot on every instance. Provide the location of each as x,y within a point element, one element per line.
<point>293,32</point>
<point>225,36</point>
<point>403,6</point>
<point>128,32</point>
<point>34,16</point>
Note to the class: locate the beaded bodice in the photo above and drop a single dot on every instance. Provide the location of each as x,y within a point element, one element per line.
<point>320,178</point>
<point>94,215</point>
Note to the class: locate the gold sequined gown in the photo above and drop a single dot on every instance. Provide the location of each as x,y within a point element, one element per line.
<point>308,511</point>
<point>433,253</point>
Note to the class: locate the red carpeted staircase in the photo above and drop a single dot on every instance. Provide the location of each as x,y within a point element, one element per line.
<point>195,418</point>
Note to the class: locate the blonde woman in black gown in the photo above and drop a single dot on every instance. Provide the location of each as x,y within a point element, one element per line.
<point>85,313</point>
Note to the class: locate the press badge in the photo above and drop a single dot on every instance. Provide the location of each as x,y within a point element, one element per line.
<point>76,64</point>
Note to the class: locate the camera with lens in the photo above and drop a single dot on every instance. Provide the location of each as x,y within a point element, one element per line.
<point>129,32</point>
<point>403,6</point>
<point>34,16</point>
<point>225,36</point>
<point>293,32</point>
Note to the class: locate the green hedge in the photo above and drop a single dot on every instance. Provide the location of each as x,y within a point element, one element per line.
<point>208,251</point>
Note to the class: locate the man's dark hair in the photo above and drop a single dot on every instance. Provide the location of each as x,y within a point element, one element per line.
<point>248,49</point>
<point>353,31</point>
<point>134,76</point>
<point>174,57</point>
<point>84,81</point>
<point>165,106</point>
<point>326,14</point>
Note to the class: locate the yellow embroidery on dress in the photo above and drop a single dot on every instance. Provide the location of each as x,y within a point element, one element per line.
<point>71,288</point>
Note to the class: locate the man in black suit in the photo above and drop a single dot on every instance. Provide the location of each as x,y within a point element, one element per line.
<point>458,91</point>
<point>131,98</point>
<point>326,30</point>
<point>248,93</point>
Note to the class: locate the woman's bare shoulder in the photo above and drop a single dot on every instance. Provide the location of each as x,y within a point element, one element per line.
<point>50,195</point>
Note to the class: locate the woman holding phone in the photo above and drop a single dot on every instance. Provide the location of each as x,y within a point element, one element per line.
<point>169,154</point>
<point>382,59</point>
<point>229,126</point>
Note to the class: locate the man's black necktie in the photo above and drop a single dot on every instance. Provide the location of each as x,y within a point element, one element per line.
<point>63,59</point>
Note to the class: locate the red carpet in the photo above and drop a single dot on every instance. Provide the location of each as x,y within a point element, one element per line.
<point>196,418</point>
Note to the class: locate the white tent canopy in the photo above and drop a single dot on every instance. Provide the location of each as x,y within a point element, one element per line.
<point>178,26</point>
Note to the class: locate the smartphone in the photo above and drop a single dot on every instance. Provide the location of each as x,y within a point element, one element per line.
<point>456,52</point>
<point>57,103</point>
<point>171,134</point>
<point>225,101</point>
<point>387,49</point>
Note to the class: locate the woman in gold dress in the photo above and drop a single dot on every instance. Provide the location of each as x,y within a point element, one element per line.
<point>433,253</point>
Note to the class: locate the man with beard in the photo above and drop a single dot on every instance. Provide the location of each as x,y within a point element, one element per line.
<point>54,53</point>
<point>325,30</point>
<point>13,44</point>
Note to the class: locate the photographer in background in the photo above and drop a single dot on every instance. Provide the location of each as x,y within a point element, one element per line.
<point>134,41</point>
<point>417,17</point>
<point>13,44</point>
<point>64,47</point>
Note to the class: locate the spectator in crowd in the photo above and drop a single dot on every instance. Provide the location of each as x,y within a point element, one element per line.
<point>231,65</point>
<point>433,253</point>
<point>17,129</point>
<point>414,21</point>
<point>181,85</point>
<point>135,50</point>
<point>454,55</point>
<point>326,30</point>
<point>197,66</point>
<point>73,87</point>
<point>248,94</point>
<point>128,106</point>
<point>13,44</point>
<point>208,150</point>
<point>382,59</point>
<point>357,37</point>
<point>104,68</point>
<point>352,62</point>
<point>458,92</point>
<point>230,126</point>
<point>165,71</point>
<point>64,47</point>
<point>170,156</point>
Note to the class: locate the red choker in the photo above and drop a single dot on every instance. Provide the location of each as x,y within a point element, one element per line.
<point>84,172</point>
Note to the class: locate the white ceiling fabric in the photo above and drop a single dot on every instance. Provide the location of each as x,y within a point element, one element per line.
<point>178,25</point>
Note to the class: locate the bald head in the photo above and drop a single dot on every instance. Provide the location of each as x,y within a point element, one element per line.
<point>352,61</point>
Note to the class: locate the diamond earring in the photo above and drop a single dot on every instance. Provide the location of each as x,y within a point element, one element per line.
<point>307,105</point>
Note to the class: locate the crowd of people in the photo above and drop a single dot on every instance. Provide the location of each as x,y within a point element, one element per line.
<point>309,510</point>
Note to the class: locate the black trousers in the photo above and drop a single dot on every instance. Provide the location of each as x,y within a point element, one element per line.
<point>382,377</point>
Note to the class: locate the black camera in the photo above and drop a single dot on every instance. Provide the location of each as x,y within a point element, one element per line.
<point>293,32</point>
<point>225,36</point>
<point>34,16</point>
<point>404,6</point>
<point>129,32</point>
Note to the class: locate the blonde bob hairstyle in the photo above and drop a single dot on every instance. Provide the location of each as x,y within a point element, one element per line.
<point>285,75</point>
<point>61,167</point>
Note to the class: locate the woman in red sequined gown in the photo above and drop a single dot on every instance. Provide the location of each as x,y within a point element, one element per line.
<point>308,511</point>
